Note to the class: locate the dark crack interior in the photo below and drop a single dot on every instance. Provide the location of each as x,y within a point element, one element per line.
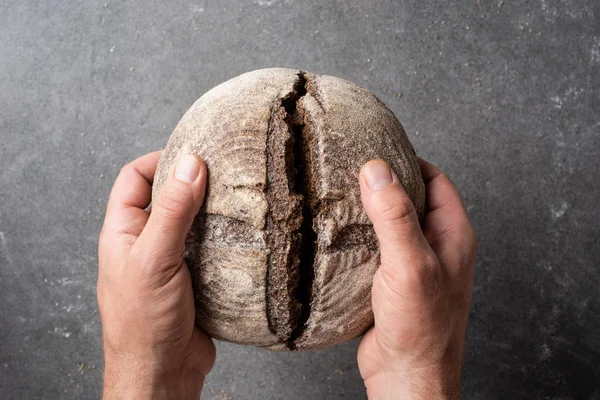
<point>303,185</point>
<point>291,238</point>
<point>284,216</point>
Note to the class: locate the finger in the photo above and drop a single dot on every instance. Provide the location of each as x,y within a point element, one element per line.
<point>432,175</point>
<point>407,261</point>
<point>159,247</point>
<point>125,216</point>
<point>447,226</point>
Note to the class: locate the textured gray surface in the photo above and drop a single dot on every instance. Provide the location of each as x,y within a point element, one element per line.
<point>503,96</point>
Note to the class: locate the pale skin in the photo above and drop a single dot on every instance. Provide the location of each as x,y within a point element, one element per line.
<point>421,292</point>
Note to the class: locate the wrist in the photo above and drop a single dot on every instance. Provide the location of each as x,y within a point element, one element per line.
<point>410,382</point>
<point>135,379</point>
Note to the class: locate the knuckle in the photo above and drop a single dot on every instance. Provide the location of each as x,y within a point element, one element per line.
<point>444,178</point>
<point>141,263</point>
<point>395,209</point>
<point>172,205</point>
<point>125,239</point>
<point>127,169</point>
<point>152,269</point>
<point>421,277</point>
<point>138,259</point>
<point>425,269</point>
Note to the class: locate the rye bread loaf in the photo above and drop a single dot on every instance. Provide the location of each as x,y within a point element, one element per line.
<point>282,254</point>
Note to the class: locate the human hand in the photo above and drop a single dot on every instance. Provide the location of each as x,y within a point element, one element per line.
<point>421,292</point>
<point>152,348</point>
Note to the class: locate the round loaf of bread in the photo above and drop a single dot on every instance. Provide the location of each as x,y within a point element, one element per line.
<point>282,254</point>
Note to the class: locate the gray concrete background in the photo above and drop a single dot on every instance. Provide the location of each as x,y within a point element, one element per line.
<point>503,95</point>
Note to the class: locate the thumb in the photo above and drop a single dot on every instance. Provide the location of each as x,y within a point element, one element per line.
<point>160,245</point>
<point>405,254</point>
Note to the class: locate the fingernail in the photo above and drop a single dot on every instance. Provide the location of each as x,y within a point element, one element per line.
<point>187,169</point>
<point>378,175</point>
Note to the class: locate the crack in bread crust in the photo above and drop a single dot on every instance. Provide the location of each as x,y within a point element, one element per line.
<point>289,226</point>
<point>283,220</point>
<point>305,186</point>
